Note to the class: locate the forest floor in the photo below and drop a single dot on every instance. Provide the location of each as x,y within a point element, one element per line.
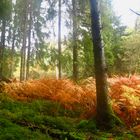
<point>49,109</point>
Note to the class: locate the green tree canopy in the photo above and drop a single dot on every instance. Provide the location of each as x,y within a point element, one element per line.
<point>5,9</point>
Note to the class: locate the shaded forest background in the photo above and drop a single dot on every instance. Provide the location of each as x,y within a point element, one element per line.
<point>53,39</point>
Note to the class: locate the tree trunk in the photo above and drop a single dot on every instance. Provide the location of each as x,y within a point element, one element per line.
<point>2,47</point>
<point>12,55</point>
<point>59,41</point>
<point>105,116</point>
<point>29,42</point>
<point>75,52</point>
<point>23,49</point>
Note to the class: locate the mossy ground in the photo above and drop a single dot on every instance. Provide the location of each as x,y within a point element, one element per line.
<point>46,120</point>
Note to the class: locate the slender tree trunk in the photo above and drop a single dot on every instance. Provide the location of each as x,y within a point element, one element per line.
<point>23,57</point>
<point>75,51</point>
<point>28,54</point>
<point>23,49</point>
<point>2,47</point>
<point>12,55</point>
<point>59,41</point>
<point>29,42</point>
<point>104,111</point>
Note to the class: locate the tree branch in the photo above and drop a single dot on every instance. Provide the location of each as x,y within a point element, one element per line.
<point>135,12</point>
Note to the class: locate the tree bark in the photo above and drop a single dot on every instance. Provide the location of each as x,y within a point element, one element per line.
<point>2,47</point>
<point>12,54</point>
<point>23,49</point>
<point>29,42</point>
<point>75,51</point>
<point>104,112</point>
<point>59,41</point>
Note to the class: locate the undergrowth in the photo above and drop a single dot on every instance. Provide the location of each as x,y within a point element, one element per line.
<point>80,99</point>
<point>49,120</point>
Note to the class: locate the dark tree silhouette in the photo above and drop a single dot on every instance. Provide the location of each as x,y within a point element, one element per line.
<point>135,12</point>
<point>105,117</point>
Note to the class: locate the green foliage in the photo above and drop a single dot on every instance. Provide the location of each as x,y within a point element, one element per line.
<point>45,56</point>
<point>5,9</point>
<point>112,32</point>
<point>86,55</point>
<point>130,58</point>
<point>66,60</point>
<point>7,62</point>
<point>51,13</point>
<point>9,130</point>
<point>41,55</point>
<point>87,125</point>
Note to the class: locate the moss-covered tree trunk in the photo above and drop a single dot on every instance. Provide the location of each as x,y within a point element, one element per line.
<point>105,117</point>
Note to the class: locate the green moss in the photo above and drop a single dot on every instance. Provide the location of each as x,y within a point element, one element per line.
<point>87,125</point>
<point>9,130</point>
<point>126,137</point>
<point>45,120</point>
<point>109,120</point>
